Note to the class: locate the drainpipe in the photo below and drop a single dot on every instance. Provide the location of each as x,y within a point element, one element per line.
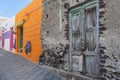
<point>60,15</point>
<point>71,2</point>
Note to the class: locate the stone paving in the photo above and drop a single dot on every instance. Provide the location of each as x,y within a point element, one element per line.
<point>15,67</point>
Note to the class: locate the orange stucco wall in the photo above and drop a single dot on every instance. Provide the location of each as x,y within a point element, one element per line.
<point>32,14</point>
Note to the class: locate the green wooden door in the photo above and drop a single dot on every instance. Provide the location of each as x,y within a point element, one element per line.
<point>84,43</point>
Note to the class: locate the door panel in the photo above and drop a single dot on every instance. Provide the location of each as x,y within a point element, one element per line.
<point>90,29</point>
<point>78,39</point>
<point>90,54</point>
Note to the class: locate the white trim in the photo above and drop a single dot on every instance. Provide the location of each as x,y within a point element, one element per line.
<point>60,15</point>
<point>4,18</point>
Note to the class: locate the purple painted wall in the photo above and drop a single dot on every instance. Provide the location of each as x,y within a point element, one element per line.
<point>6,35</point>
<point>11,40</point>
<point>2,40</point>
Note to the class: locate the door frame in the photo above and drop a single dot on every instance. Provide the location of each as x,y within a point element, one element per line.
<point>85,5</point>
<point>18,38</point>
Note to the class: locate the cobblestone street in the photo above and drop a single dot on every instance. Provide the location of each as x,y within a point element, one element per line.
<point>14,67</point>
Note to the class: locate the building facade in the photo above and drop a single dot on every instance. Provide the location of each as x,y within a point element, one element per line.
<point>2,21</point>
<point>80,36</point>
<point>27,31</point>
<point>7,35</point>
<point>84,34</point>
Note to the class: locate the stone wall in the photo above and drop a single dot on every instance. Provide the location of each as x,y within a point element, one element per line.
<point>54,41</point>
<point>55,27</point>
<point>54,33</point>
<point>110,40</point>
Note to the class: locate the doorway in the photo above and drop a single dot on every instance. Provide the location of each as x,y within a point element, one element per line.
<point>20,39</point>
<point>84,40</point>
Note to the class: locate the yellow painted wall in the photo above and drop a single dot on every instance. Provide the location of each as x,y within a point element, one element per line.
<point>32,14</point>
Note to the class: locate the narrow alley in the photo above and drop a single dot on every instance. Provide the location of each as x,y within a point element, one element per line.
<point>60,40</point>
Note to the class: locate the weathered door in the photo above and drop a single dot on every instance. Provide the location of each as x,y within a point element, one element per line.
<point>83,33</point>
